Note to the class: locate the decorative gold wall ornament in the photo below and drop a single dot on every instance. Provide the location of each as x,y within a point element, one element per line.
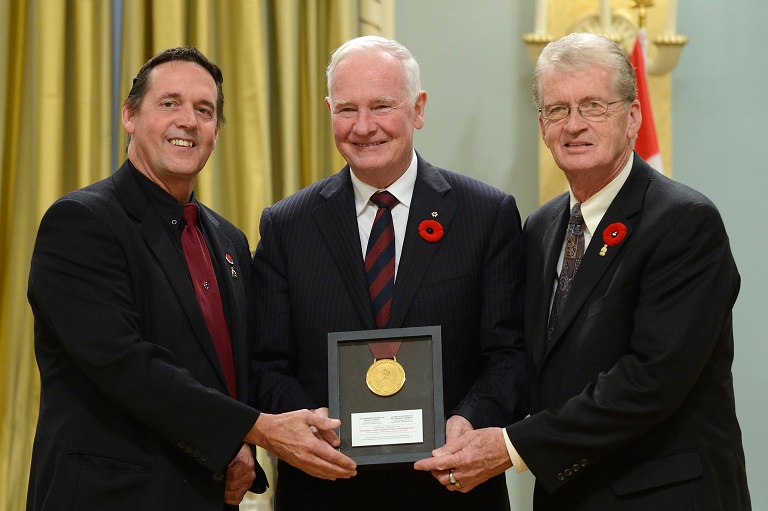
<point>619,25</point>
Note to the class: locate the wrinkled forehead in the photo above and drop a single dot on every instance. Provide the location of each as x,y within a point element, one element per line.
<point>368,75</point>
<point>562,84</point>
<point>181,71</point>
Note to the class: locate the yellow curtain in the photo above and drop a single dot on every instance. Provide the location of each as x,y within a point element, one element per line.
<point>55,135</point>
<point>298,88</point>
<point>57,121</point>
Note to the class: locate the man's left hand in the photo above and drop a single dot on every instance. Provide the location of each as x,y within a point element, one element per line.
<point>455,426</point>
<point>472,458</point>
<point>240,476</point>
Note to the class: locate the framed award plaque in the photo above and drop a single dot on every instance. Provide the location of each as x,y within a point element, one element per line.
<point>386,386</point>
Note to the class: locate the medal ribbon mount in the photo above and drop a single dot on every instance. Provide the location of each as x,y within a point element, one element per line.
<point>386,376</point>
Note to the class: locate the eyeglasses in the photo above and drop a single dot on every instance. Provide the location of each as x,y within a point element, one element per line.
<point>588,109</point>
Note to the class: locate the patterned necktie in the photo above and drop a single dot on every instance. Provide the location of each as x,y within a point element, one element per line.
<point>380,258</point>
<point>207,292</point>
<point>574,250</point>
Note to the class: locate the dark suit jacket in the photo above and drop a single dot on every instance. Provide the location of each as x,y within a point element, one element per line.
<point>311,281</point>
<point>133,407</point>
<point>634,394</point>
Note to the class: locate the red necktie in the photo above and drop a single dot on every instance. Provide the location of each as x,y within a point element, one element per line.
<point>380,258</point>
<point>207,292</point>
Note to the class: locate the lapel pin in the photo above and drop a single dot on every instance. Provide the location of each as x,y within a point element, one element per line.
<point>229,259</point>
<point>431,230</point>
<point>612,236</point>
<point>434,214</point>
<point>234,273</point>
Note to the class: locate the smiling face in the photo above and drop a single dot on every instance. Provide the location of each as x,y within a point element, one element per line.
<point>174,129</point>
<point>594,150</point>
<point>373,116</point>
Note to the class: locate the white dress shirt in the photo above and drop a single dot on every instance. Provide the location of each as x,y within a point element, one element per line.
<point>366,210</point>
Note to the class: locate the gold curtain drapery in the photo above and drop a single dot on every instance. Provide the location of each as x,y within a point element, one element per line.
<point>56,136</point>
<point>58,122</point>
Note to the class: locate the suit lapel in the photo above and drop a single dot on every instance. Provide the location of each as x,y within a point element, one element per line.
<point>593,265</point>
<point>428,198</point>
<point>337,223</point>
<point>155,235</point>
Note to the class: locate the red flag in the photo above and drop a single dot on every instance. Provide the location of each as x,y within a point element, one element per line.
<point>647,145</point>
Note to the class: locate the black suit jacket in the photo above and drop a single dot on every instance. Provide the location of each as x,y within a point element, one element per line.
<point>133,407</point>
<point>632,402</point>
<point>311,281</point>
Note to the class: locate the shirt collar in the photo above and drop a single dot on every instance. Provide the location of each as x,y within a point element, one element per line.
<point>402,189</point>
<point>164,203</point>
<point>595,207</point>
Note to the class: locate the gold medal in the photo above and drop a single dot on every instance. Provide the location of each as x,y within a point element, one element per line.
<point>385,377</point>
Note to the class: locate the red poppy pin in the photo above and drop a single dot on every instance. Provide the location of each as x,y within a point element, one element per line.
<point>431,230</point>
<point>230,260</point>
<point>612,236</point>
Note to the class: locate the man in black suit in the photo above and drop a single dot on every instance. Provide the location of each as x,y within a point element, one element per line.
<point>143,389</point>
<point>466,276</point>
<point>631,389</point>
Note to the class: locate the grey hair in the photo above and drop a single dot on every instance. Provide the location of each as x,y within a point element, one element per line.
<point>372,44</point>
<point>579,51</point>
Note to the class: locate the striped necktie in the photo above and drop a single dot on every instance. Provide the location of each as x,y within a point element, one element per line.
<point>380,258</point>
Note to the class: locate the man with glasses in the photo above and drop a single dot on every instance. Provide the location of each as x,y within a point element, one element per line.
<point>630,289</point>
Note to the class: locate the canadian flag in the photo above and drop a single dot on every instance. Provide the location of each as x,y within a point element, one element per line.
<point>646,145</point>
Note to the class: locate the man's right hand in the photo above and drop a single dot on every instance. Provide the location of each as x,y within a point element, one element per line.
<point>291,437</point>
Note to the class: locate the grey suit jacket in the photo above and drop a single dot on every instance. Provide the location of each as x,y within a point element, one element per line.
<point>311,281</point>
<point>134,412</point>
<point>632,401</point>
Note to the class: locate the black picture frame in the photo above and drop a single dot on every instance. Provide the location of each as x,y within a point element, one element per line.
<point>420,354</point>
